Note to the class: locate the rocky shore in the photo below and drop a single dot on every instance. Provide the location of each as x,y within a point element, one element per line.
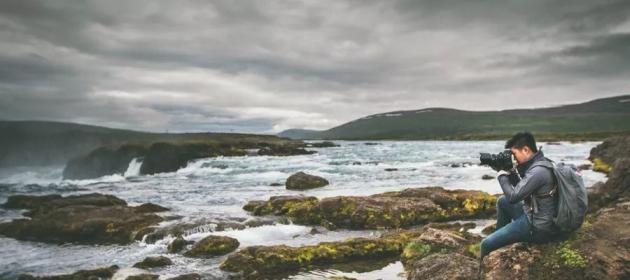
<point>417,224</point>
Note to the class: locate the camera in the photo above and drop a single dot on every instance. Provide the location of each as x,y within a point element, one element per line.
<point>500,161</point>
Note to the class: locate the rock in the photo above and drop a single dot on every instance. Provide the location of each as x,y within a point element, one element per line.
<point>150,207</point>
<point>167,157</point>
<point>404,208</point>
<point>445,267</point>
<point>324,144</point>
<point>213,245</point>
<point>585,166</point>
<point>151,262</point>
<point>99,273</point>
<point>616,187</point>
<point>143,276</point>
<point>222,226</point>
<point>391,169</point>
<point>85,219</point>
<point>487,177</point>
<point>283,150</point>
<point>610,150</point>
<point>46,203</point>
<point>303,181</point>
<point>190,276</point>
<point>258,222</point>
<point>489,229</point>
<point>255,262</point>
<point>178,244</point>
<point>276,184</point>
<point>433,240</point>
<point>102,161</point>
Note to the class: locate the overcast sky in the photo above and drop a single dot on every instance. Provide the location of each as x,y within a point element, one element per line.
<point>265,66</point>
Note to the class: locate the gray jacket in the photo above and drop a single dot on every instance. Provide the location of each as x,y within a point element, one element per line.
<point>538,179</point>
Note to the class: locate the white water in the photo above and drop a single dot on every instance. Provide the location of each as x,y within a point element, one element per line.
<point>134,168</point>
<point>215,189</point>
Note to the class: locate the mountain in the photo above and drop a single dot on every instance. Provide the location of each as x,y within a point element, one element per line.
<point>28,143</point>
<point>591,120</point>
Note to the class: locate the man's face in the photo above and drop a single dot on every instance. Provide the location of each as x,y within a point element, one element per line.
<point>522,154</point>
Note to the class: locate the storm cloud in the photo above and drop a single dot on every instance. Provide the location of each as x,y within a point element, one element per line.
<point>266,66</point>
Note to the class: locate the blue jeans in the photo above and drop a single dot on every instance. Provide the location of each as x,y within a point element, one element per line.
<point>512,226</point>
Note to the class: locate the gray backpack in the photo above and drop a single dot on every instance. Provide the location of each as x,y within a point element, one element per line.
<point>572,197</point>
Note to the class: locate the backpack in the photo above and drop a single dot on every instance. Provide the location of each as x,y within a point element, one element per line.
<point>572,196</point>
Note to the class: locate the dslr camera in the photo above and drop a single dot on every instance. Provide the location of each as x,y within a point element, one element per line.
<point>501,161</point>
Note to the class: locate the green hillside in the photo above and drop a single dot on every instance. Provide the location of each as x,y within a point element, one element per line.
<point>592,120</point>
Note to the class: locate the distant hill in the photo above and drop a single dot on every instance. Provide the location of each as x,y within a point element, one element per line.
<point>591,120</point>
<point>48,143</point>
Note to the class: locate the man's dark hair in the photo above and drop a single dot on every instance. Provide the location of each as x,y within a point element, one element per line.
<point>521,139</point>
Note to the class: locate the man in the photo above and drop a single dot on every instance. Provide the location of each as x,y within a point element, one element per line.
<point>519,217</point>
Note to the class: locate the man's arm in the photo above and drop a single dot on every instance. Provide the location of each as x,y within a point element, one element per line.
<point>533,179</point>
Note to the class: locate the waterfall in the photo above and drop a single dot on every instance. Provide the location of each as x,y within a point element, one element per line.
<point>134,168</point>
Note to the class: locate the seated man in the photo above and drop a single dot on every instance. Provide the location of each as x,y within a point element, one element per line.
<point>520,217</point>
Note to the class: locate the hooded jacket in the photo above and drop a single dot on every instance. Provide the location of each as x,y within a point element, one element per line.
<point>536,178</point>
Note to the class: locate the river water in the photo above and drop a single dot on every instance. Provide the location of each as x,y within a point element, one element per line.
<point>215,189</point>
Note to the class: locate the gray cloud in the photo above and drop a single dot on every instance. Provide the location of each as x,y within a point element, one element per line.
<point>266,66</point>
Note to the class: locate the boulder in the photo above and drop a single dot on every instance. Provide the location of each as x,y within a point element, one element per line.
<point>178,244</point>
<point>99,273</point>
<point>303,181</point>
<point>283,150</point>
<point>323,144</point>
<point>258,262</point>
<point>143,276</point>
<point>414,206</point>
<point>189,276</point>
<point>212,246</point>
<point>445,266</point>
<point>85,219</point>
<point>151,262</point>
<point>610,150</point>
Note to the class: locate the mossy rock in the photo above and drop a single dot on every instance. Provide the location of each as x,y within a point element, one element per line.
<point>151,262</point>
<point>85,219</point>
<point>303,181</point>
<point>409,207</point>
<point>263,260</point>
<point>144,276</point>
<point>99,273</point>
<point>212,246</point>
<point>177,245</point>
<point>256,262</point>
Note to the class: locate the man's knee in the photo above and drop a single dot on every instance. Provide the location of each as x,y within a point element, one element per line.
<point>502,202</point>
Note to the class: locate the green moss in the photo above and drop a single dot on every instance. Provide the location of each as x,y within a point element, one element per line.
<point>419,249</point>
<point>571,257</point>
<point>474,249</point>
<point>601,166</point>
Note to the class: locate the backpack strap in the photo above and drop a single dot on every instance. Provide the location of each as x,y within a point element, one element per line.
<point>548,163</point>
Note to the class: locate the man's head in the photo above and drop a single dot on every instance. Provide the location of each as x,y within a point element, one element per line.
<point>523,146</point>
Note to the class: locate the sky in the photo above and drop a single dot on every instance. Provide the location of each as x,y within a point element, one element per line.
<point>266,66</point>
